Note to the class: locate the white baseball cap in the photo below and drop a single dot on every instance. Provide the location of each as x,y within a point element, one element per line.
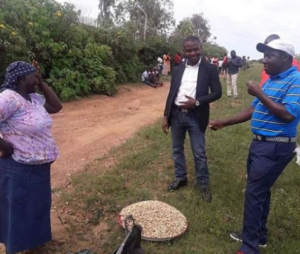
<point>277,44</point>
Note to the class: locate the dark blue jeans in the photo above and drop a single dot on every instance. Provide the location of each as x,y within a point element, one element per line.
<point>266,162</point>
<point>182,122</point>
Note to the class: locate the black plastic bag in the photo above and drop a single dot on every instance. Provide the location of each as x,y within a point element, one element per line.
<point>132,241</point>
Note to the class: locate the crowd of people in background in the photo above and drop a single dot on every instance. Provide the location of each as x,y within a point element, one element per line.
<point>150,77</point>
<point>227,66</point>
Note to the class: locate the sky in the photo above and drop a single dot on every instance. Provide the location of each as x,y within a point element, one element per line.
<point>238,24</point>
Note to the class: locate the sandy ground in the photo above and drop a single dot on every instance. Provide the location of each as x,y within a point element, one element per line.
<point>89,128</point>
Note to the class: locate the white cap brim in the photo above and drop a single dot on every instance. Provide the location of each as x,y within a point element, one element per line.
<point>277,44</point>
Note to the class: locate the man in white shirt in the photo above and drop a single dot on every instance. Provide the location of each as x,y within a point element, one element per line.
<point>145,79</point>
<point>220,66</point>
<point>160,65</point>
<point>194,85</point>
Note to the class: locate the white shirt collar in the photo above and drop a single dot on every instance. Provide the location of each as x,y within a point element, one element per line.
<point>190,66</point>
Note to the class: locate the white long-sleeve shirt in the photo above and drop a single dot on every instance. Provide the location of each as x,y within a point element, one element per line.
<point>188,83</point>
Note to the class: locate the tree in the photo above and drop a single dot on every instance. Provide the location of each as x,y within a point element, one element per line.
<point>213,50</point>
<point>198,26</point>
<point>106,11</point>
<point>44,30</point>
<point>201,27</point>
<point>159,15</point>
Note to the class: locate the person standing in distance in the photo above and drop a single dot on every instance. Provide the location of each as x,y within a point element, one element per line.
<point>233,71</point>
<point>194,85</point>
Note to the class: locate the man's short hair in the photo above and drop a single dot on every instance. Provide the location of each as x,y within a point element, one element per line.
<point>192,38</point>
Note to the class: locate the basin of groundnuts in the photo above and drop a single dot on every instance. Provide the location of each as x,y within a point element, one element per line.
<point>160,221</point>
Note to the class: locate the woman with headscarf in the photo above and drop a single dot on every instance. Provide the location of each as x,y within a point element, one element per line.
<point>28,151</point>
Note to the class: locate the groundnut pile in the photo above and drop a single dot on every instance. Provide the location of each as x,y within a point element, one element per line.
<point>159,220</point>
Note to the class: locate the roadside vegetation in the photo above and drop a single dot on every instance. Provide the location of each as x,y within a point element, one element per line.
<point>80,58</point>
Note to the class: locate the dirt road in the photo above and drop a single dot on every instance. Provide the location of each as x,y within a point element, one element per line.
<point>89,128</point>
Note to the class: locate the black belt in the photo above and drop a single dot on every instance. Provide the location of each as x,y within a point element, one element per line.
<point>275,139</point>
<point>188,110</point>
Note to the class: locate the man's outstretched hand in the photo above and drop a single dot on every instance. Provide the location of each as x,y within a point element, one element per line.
<point>216,125</point>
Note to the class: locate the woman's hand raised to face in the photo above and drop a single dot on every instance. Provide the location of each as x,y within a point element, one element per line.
<point>38,72</point>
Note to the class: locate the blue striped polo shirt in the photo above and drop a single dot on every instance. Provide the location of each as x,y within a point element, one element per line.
<point>283,88</point>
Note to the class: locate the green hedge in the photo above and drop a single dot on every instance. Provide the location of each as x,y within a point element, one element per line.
<point>76,60</point>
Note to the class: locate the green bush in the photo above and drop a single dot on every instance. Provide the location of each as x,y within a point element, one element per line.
<point>44,30</point>
<point>76,59</point>
<point>68,84</point>
<point>124,59</point>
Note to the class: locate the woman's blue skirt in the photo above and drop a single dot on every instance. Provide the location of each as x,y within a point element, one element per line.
<point>25,205</point>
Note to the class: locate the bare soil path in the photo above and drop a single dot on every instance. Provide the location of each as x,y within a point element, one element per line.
<point>87,129</point>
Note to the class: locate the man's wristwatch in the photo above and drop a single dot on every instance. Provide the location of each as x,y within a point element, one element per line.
<point>197,104</point>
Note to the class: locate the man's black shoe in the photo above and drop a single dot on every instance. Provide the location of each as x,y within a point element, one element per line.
<point>206,193</point>
<point>238,237</point>
<point>177,184</point>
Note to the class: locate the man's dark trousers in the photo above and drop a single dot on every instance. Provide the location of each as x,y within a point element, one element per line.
<point>266,161</point>
<point>182,123</point>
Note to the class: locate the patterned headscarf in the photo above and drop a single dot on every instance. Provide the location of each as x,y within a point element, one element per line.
<point>14,71</point>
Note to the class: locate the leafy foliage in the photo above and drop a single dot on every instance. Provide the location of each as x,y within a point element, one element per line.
<point>124,59</point>
<point>198,26</point>
<point>72,62</point>
<point>158,15</point>
<point>156,46</point>
<point>202,28</point>
<point>79,60</point>
<point>210,49</point>
<point>105,7</point>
